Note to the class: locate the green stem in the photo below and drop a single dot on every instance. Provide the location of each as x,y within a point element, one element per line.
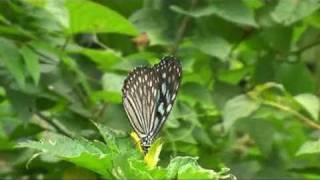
<point>182,28</point>
<point>298,115</point>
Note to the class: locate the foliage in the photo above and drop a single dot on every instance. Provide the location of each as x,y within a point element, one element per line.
<point>249,99</point>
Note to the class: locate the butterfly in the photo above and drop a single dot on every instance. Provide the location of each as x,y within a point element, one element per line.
<point>148,97</point>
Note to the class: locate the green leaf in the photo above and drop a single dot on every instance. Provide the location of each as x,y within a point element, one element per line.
<point>107,96</point>
<point>261,131</point>
<point>32,63</point>
<point>309,147</point>
<point>213,45</point>
<point>57,9</point>
<point>96,19</point>
<point>154,23</point>
<point>230,10</point>
<point>310,103</point>
<point>288,11</point>
<point>277,37</point>
<point>105,59</point>
<point>78,151</point>
<point>294,82</point>
<point>112,84</point>
<point>188,168</point>
<point>236,108</point>
<point>11,58</point>
<point>233,76</point>
<point>108,135</point>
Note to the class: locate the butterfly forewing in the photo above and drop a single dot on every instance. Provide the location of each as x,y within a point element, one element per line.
<point>169,72</point>
<point>148,96</point>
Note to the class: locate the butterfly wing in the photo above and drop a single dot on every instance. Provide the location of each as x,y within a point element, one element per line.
<point>139,99</point>
<point>169,73</point>
<point>148,97</point>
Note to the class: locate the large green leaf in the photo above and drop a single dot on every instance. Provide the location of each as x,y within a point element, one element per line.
<point>230,10</point>
<point>115,159</point>
<point>294,82</point>
<point>89,17</point>
<point>213,45</point>
<point>90,155</point>
<point>236,108</point>
<point>289,11</point>
<point>105,59</point>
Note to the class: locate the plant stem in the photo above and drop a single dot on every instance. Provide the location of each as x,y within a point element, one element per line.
<point>304,48</point>
<point>182,28</point>
<point>298,115</point>
<point>49,121</point>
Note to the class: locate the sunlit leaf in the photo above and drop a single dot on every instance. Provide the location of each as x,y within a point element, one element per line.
<point>90,17</point>
<point>288,11</point>
<point>311,103</point>
<point>309,147</point>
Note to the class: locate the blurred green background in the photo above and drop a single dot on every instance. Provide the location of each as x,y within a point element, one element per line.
<point>249,98</point>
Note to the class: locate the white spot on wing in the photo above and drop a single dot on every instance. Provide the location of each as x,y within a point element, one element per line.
<point>163,88</point>
<point>173,96</point>
<point>168,108</point>
<point>160,108</point>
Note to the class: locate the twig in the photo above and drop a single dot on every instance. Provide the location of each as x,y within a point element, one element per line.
<point>304,48</point>
<point>298,115</point>
<point>98,113</point>
<point>65,44</point>
<point>49,121</point>
<point>182,29</point>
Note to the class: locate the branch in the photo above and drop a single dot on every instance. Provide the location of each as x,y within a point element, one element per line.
<point>182,28</point>
<point>298,115</point>
<point>49,121</point>
<point>308,46</point>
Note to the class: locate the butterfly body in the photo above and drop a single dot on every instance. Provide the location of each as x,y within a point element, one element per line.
<point>148,97</point>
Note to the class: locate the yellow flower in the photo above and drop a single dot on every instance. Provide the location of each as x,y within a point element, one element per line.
<point>152,157</point>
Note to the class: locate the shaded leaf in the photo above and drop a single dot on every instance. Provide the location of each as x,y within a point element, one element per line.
<point>236,108</point>
<point>11,58</point>
<point>31,60</point>
<point>230,10</point>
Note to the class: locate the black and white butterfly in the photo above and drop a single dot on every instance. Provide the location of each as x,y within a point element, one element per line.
<point>148,97</point>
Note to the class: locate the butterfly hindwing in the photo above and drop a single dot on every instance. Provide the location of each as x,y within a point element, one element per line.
<point>148,97</point>
<point>139,97</point>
